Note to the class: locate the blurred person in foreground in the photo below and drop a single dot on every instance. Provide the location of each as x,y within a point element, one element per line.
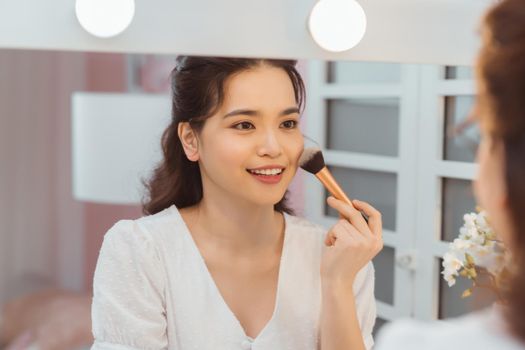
<point>499,188</point>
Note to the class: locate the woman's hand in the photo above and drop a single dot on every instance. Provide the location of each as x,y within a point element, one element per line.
<point>351,242</point>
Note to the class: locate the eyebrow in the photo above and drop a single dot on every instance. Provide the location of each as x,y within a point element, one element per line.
<point>253,113</point>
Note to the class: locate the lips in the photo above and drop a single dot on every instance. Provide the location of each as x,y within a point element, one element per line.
<point>268,174</point>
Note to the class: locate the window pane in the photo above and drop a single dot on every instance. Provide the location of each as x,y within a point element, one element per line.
<point>459,72</point>
<point>460,143</point>
<point>363,72</point>
<point>457,200</point>
<point>377,188</point>
<point>450,302</point>
<point>384,263</point>
<point>363,125</point>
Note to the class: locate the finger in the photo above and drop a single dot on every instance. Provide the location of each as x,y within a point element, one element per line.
<point>349,228</point>
<point>375,221</point>
<point>358,243</point>
<point>353,239</point>
<point>335,231</point>
<point>350,213</point>
<point>338,231</point>
<point>362,214</point>
<point>329,239</point>
<point>345,232</point>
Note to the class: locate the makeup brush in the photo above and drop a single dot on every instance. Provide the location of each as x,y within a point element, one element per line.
<point>312,161</point>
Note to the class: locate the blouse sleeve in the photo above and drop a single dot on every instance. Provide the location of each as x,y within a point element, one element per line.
<point>365,303</point>
<point>128,309</point>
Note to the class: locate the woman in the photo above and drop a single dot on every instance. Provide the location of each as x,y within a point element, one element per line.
<point>499,188</point>
<point>220,262</point>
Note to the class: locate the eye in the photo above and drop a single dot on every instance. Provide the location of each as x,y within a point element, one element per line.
<point>244,126</point>
<point>290,124</point>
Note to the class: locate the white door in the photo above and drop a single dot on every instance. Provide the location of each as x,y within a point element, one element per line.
<point>381,127</point>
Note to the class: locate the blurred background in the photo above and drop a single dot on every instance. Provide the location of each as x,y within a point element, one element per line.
<point>393,134</point>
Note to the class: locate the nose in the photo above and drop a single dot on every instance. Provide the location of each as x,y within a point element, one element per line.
<point>270,145</point>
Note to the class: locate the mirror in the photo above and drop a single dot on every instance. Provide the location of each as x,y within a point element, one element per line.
<point>389,132</point>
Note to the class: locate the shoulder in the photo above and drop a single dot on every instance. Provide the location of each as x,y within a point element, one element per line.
<point>304,234</point>
<point>304,239</point>
<point>304,226</point>
<point>157,223</point>
<point>142,230</point>
<point>130,248</point>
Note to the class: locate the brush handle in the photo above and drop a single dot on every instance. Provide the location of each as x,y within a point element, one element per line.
<point>325,176</point>
<point>329,182</point>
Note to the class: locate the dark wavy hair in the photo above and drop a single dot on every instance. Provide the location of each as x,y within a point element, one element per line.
<point>501,103</point>
<point>197,92</point>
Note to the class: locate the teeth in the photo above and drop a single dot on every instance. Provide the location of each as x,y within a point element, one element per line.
<point>267,171</point>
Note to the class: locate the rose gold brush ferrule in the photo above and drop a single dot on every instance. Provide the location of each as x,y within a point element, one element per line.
<point>325,176</point>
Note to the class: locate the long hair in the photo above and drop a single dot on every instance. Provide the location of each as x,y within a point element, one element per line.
<point>197,92</point>
<point>501,79</point>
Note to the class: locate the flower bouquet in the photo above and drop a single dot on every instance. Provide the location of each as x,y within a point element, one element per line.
<point>477,255</point>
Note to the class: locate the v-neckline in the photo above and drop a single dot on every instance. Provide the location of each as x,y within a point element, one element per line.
<point>215,288</point>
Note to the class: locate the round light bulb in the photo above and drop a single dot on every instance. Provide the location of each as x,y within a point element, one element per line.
<point>105,18</point>
<point>337,25</point>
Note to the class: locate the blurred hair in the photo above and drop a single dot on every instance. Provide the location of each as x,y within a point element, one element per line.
<point>501,103</point>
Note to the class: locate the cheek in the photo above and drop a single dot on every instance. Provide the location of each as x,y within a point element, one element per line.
<point>226,153</point>
<point>295,147</point>
<point>489,185</point>
<point>480,191</point>
<point>482,186</point>
<point>480,183</point>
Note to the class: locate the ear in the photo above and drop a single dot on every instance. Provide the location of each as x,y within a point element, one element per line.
<point>189,140</point>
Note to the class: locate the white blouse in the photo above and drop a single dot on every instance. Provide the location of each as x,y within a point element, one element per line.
<point>484,329</point>
<point>152,290</point>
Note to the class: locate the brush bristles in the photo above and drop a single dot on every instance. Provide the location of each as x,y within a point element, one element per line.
<point>312,160</point>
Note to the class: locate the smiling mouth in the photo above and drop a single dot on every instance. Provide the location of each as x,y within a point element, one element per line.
<point>266,172</point>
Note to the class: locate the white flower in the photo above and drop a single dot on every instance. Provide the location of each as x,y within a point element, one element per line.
<point>470,220</point>
<point>482,222</point>
<point>475,236</point>
<point>451,263</point>
<point>477,240</point>
<point>451,279</point>
<point>460,245</point>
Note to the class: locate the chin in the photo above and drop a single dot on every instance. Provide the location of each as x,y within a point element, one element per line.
<point>266,200</point>
<point>262,194</point>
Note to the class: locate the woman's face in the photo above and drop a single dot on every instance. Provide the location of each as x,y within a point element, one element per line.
<point>249,149</point>
<point>490,188</point>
